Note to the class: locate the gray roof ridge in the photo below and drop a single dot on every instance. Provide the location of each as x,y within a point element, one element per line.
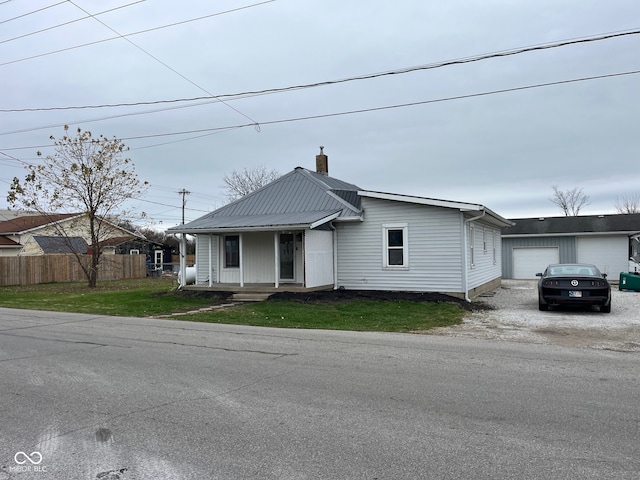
<point>317,178</point>
<point>348,205</point>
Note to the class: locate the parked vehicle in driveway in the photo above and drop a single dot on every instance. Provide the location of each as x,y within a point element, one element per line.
<point>574,284</point>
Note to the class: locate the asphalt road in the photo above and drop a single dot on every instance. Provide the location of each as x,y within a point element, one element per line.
<point>85,395</point>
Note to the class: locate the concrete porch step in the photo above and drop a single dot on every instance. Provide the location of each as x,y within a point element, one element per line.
<point>250,297</point>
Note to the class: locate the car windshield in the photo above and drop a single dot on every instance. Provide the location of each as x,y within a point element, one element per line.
<point>559,270</point>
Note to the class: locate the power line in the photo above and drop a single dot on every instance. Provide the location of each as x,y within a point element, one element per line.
<point>166,65</point>
<point>69,22</point>
<point>133,33</point>
<point>389,107</point>
<point>32,12</point>
<point>364,110</point>
<point>400,71</point>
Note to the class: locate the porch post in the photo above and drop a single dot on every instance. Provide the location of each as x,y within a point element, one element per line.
<point>276,256</point>
<point>210,260</point>
<point>183,260</point>
<point>240,262</point>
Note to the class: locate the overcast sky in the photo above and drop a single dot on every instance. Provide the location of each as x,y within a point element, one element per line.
<point>503,150</point>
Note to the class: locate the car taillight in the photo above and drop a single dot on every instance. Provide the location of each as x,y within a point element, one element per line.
<point>551,283</point>
<point>598,283</point>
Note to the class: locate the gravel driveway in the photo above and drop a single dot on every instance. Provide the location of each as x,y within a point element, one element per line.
<point>516,318</point>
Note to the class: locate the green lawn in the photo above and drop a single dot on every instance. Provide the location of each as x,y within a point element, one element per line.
<point>158,297</point>
<point>358,315</point>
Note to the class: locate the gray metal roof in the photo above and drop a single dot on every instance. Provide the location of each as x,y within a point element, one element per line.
<point>300,198</point>
<point>49,244</point>
<point>583,224</point>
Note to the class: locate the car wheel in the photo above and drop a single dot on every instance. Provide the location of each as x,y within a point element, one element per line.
<point>605,308</point>
<point>543,307</point>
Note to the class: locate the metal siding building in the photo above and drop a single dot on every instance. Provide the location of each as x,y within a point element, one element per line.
<point>603,240</point>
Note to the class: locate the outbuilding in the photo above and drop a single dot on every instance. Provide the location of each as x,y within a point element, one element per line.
<point>608,241</point>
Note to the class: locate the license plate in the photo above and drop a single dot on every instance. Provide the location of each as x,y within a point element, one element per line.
<point>575,293</point>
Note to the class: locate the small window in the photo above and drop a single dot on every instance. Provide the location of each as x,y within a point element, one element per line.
<point>495,248</point>
<point>232,251</point>
<point>395,246</point>
<point>472,240</point>
<point>484,240</point>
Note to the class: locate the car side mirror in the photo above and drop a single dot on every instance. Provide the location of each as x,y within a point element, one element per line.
<point>604,275</point>
<point>538,274</point>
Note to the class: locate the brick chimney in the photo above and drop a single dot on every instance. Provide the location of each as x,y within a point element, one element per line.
<point>322,163</point>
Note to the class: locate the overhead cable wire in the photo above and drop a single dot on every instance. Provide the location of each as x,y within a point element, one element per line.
<point>69,22</point>
<point>364,110</point>
<point>389,107</point>
<point>400,71</point>
<point>32,12</point>
<point>134,33</point>
<point>255,123</point>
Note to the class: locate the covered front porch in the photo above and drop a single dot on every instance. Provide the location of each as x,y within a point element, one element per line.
<point>261,261</point>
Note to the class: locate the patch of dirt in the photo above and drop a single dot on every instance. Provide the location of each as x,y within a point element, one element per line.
<point>332,296</point>
<point>196,294</point>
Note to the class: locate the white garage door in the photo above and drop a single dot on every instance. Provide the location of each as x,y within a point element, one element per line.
<point>609,254</point>
<point>527,261</point>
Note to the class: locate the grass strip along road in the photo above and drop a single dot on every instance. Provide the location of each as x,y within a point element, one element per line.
<point>159,297</point>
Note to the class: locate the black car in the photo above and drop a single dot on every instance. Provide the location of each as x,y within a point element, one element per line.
<point>575,284</point>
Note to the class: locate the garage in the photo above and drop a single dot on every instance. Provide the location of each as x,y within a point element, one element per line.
<point>527,261</point>
<point>609,254</point>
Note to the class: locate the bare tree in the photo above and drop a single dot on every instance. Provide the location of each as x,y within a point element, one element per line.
<point>628,204</point>
<point>570,201</point>
<point>240,183</point>
<point>85,175</point>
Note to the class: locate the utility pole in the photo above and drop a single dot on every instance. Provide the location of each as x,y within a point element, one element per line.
<point>184,194</point>
<point>183,242</point>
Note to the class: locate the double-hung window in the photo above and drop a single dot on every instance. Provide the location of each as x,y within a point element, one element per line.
<point>232,251</point>
<point>396,246</point>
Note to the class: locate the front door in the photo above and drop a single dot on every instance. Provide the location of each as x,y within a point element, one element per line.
<point>287,255</point>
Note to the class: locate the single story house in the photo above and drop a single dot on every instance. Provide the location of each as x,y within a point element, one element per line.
<point>607,241</point>
<point>17,233</point>
<point>307,230</point>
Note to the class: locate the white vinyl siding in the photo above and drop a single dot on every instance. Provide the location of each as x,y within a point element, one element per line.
<point>258,258</point>
<point>434,248</point>
<point>318,250</point>
<point>203,270</point>
<point>486,266</point>
<point>609,253</point>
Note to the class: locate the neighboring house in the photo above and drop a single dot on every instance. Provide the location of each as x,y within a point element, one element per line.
<point>17,232</point>
<point>607,241</point>
<point>307,230</point>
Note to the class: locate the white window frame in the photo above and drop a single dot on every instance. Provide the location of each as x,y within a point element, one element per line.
<point>405,246</point>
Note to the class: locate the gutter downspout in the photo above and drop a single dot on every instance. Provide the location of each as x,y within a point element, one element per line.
<point>465,269</point>
<point>183,260</point>
<point>334,235</point>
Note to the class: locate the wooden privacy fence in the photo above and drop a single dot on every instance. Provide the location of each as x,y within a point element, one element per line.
<point>30,270</point>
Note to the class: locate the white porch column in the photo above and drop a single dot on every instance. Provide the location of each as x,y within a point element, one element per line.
<point>210,260</point>
<point>240,262</point>
<point>276,256</point>
<point>183,260</point>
